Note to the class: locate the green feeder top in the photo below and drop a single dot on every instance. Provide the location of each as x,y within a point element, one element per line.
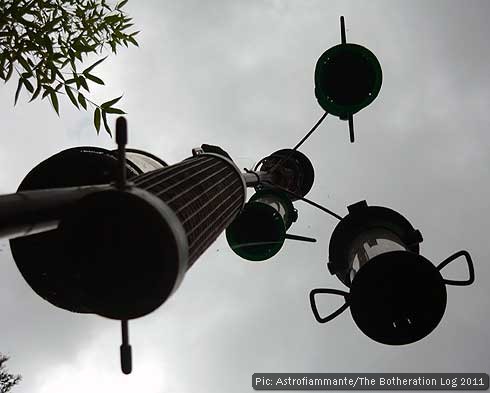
<point>347,78</point>
<point>258,233</point>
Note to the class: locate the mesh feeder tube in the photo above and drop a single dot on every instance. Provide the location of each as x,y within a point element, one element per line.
<point>121,253</point>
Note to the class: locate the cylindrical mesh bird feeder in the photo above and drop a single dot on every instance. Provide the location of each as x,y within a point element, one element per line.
<point>206,192</point>
<point>121,252</point>
<point>131,247</point>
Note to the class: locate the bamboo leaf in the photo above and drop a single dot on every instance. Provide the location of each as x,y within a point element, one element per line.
<point>97,119</point>
<point>87,70</point>
<point>94,79</point>
<point>29,86</point>
<point>106,126</point>
<point>71,96</point>
<point>36,93</point>
<point>47,91</point>
<point>17,92</point>
<point>82,101</point>
<point>108,104</point>
<point>54,101</point>
<point>115,111</point>
<point>9,72</point>
<point>121,4</point>
<point>133,41</point>
<point>83,82</point>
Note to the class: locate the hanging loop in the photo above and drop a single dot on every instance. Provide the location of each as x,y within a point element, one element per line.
<point>469,262</point>
<point>331,316</point>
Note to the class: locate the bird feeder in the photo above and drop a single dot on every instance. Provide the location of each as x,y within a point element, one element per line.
<point>348,78</point>
<point>258,233</point>
<point>291,170</point>
<point>396,296</point>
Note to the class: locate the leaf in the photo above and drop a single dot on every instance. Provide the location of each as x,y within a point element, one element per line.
<point>108,104</point>
<point>71,96</point>
<point>29,86</point>
<point>83,82</point>
<point>54,101</point>
<point>36,93</point>
<point>115,111</point>
<point>23,62</point>
<point>106,126</point>
<point>82,101</point>
<point>97,119</point>
<point>17,92</point>
<point>133,41</point>
<point>9,72</point>
<point>121,4</point>
<point>94,79</point>
<point>49,26</point>
<point>87,70</point>
<point>111,19</point>
<point>47,91</point>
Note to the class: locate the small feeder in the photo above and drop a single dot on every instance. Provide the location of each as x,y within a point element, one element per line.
<point>348,78</point>
<point>396,295</point>
<point>258,233</point>
<point>291,170</point>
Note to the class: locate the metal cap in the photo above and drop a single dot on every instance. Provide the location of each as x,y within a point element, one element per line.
<point>291,170</point>
<point>258,232</point>
<point>398,298</point>
<point>39,257</point>
<point>128,249</point>
<point>347,78</point>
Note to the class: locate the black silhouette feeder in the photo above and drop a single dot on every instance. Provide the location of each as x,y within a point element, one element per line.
<point>348,78</point>
<point>396,295</point>
<point>258,233</point>
<point>291,171</point>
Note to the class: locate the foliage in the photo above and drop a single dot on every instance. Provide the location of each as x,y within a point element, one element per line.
<point>7,381</point>
<point>45,41</point>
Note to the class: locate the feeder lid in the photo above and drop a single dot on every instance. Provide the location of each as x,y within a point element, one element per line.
<point>132,260</point>
<point>347,78</point>
<point>258,232</point>
<point>295,172</point>
<point>50,278</point>
<point>398,298</point>
<point>362,218</point>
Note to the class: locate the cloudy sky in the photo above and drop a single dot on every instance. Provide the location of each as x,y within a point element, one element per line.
<point>240,74</point>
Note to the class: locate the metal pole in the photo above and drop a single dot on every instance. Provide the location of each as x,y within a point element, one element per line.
<point>254,178</point>
<point>28,212</point>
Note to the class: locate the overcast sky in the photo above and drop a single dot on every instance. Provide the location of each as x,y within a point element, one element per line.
<point>240,75</point>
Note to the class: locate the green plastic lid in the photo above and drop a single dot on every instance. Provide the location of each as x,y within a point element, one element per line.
<point>258,233</point>
<point>347,78</point>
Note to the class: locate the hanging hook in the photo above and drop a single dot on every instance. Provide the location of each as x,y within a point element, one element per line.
<point>336,313</point>
<point>469,262</point>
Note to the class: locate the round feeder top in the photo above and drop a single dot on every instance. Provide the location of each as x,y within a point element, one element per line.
<point>78,166</point>
<point>363,218</point>
<point>133,259</point>
<point>294,173</point>
<point>348,78</point>
<point>258,232</point>
<point>398,298</point>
